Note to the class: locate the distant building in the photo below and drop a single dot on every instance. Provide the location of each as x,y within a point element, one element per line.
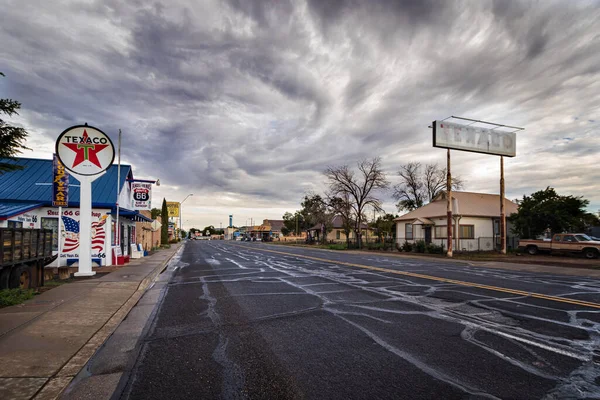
<point>337,233</point>
<point>477,216</point>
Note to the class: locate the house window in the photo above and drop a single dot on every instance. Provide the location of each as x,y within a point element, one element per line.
<point>467,232</point>
<point>441,231</point>
<point>337,235</point>
<point>408,230</point>
<point>15,224</point>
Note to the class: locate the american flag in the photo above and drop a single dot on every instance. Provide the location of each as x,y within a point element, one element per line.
<point>72,234</point>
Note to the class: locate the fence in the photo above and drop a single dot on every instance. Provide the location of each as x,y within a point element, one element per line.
<point>475,244</point>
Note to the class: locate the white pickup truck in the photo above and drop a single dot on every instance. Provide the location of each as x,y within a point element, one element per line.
<point>563,243</point>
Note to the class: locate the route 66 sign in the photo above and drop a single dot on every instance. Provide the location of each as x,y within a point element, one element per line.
<point>141,195</point>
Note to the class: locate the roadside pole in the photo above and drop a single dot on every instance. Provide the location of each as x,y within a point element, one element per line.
<point>449,206</point>
<point>502,213</point>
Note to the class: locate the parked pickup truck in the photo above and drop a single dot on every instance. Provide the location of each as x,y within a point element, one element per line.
<point>23,255</point>
<point>563,243</point>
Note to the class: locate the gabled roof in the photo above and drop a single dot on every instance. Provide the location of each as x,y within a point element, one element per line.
<point>34,184</point>
<point>469,204</point>
<point>276,224</point>
<point>337,223</point>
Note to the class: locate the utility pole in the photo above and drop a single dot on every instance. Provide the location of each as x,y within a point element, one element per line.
<point>296,224</point>
<point>502,214</point>
<point>449,206</point>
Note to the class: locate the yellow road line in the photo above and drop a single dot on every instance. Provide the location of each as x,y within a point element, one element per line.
<point>440,279</point>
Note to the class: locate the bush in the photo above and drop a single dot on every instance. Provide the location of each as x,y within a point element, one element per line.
<point>10,297</point>
<point>337,246</point>
<point>419,246</point>
<point>407,247</point>
<point>434,249</point>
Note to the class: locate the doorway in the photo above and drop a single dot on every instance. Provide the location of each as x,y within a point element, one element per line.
<point>427,230</point>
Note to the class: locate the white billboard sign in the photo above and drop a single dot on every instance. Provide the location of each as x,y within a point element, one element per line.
<point>450,135</point>
<point>141,195</point>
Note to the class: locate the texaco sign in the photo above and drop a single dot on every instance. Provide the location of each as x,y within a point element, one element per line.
<point>85,150</point>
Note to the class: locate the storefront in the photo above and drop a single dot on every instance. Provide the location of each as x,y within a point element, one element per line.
<point>25,202</point>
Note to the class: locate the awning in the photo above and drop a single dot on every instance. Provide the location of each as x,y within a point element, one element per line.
<point>11,208</point>
<point>132,215</point>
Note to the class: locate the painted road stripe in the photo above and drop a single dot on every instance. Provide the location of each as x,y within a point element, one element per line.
<point>440,279</point>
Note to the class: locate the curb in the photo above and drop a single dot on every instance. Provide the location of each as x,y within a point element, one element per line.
<point>55,385</point>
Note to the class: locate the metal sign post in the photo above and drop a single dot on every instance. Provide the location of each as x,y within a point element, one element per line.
<point>86,152</point>
<point>449,206</point>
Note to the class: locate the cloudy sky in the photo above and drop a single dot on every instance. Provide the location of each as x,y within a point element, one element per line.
<point>244,103</point>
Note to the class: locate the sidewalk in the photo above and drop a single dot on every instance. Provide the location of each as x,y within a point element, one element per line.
<point>47,340</point>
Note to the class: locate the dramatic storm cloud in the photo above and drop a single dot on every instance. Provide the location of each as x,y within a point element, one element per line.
<point>244,103</point>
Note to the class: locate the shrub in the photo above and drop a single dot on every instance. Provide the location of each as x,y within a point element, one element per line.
<point>407,247</point>
<point>337,246</point>
<point>434,249</point>
<point>420,246</point>
<point>10,297</point>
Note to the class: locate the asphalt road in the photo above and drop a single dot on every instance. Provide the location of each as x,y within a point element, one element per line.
<point>244,320</point>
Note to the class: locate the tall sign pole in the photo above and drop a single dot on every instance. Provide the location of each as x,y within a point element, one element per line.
<point>449,206</point>
<point>502,213</point>
<point>86,152</point>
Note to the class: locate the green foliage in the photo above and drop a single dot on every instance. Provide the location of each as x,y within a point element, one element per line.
<point>11,297</point>
<point>385,225</point>
<point>337,246</point>
<point>407,247</point>
<point>434,249</point>
<point>420,246</point>
<point>211,230</point>
<point>12,138</point>
<point>164,229</point>
<point>155,212</point>
<point>289,223</point>
<point>546,209</point>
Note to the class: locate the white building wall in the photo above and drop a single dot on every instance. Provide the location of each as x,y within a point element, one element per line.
<point>483,233</point>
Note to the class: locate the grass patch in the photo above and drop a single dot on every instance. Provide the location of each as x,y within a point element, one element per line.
<point>11,297</point>
<point>54,283</point>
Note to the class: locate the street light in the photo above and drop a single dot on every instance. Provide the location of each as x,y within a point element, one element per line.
<point>180,213</point>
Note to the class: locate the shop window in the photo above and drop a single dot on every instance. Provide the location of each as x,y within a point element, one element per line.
<point>408,230</point>
<point>467,232</point>
<point>51,223</point>
<point>15,224</point>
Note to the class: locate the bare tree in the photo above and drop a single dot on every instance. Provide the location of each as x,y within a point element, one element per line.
<point>360,188</point>
<point>418,187</point>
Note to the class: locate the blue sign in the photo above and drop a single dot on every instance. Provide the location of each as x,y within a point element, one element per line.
<point>60,184</point>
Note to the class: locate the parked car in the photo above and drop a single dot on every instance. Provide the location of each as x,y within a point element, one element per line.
<point>563,243</point>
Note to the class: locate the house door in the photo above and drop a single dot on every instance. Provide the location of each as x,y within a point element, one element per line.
<point>427,230</point>
<point>122,239</point>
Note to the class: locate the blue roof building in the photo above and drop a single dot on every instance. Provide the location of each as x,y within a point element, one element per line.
<point>31,187</point>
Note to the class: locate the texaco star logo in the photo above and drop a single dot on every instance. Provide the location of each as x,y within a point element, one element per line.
<point>86,150</point>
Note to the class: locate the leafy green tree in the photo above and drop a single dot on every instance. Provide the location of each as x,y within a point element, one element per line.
<point>546,209</point>
<point>155,212</point>
<point>317,212</point>
<point>164,229</point>
<point>385,225</point>
<point>289,223</point>
<point>211,230</point>
<point>12,138</point>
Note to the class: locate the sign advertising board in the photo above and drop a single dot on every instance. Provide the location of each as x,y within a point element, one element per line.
<point>450,135</point>
<point>85,150</point>
<point>141,195</point>
<point>60,184</point>
<point>173,207</point>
